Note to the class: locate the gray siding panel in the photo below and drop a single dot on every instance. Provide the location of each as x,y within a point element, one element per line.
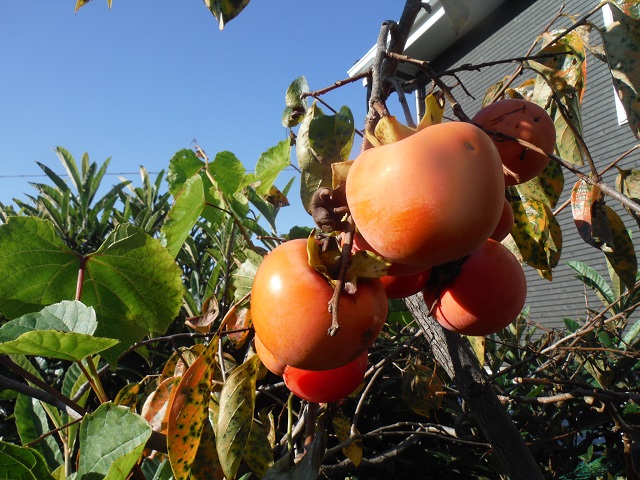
<point>510,32</point>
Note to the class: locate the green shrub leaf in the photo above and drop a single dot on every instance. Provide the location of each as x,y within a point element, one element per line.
<point>22,463</point>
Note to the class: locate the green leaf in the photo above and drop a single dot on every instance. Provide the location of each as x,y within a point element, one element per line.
<point>132,282</point>
<point>22,463</point>
<point>184,165</point>
<point>225,10</point>
<point>296,107</point>
<point>111,441</point>
<point>184,214</point>
<point>331,136</point>
<point>258,453</point>
<point>457,12</point>
<point>228,172</point>
<point>270,164</point>
<point>66,316</point>
<point>243,276</point>
<point>32,423</point>
<point>621,41</point>
<point>237,403</point>
<point>593,280</point>
<point>61,345</point>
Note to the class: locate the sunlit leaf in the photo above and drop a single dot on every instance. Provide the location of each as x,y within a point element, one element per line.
<point>457,11</point>
<point>112,439</point>
<point>622,44</point>
<point>546,187</point>
<point>188,412</point>
<point>537,235</point>
<point>228,172</point>
<point>478,344</point>
<point>237,403</point>
<point>225,10</point>
<point>243,277</point>
<point>296,106</point>
<point>433,111</point>
<point>184,214</point>
<point>390,130</point>
<point>587,205</point>
<point>270,164</point>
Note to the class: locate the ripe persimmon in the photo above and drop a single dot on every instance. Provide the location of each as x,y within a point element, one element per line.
<point>527,121</point>
<point>485,296</point>
<point>429,199</point>
<point>289,308</point>
<point>324,386</point>
<point>505,223</point>
<point>405,286</point>
<point>268,359</point>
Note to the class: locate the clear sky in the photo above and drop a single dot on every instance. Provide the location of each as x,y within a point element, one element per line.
<point>142,81</point>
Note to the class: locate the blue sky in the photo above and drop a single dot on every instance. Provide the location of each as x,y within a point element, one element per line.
<point>142,81</point>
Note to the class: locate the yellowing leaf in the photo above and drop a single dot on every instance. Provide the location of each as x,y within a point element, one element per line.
<point>342,428</point>
<point>390,130</point>
<point>587,205</point>
<point>478,345</point>
<point>189,412</point>
<point>237,403</point>
<point>623,256</point>
<point>433,112</point>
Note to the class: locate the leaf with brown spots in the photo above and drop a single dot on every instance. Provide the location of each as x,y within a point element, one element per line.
<point>587,205</point>
<point>546,187</point>
<point>154,409</point>
<point>622,256</point>
<point>537,234</point>
<point>628,183</point>
<point>206,465</point>
<point>258,454</point>
<point>189,411</point>
<point>237,403</point>
<point>128,396</point>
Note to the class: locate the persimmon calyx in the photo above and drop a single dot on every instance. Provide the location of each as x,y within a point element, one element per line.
<point>328,209</point>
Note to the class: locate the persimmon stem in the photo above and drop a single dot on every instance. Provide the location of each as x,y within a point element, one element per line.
<point>345,260</point>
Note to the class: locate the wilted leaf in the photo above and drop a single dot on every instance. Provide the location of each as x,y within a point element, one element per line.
<point>492,91</point>
<point>365,264</point>
<point>587,205</point>
<point>237,402</point>
<point>420,387</point>
<point>225,10</point>
<point>154,409</point>
<point>622,44</point>
<point>189,412</point>
<point>457,11</point>
<point>239,320</point>
<point>628,183</point>
<point>203,323</point>
<point>342,428</point>
<point>111,441</point>
<point>339,172</point>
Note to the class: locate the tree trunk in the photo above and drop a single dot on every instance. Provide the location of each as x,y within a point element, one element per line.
<point>460,363</point>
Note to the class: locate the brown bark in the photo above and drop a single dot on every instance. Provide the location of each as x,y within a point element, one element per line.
<point>460,363</point>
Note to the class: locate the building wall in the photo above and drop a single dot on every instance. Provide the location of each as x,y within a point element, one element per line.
<point>510,32</point>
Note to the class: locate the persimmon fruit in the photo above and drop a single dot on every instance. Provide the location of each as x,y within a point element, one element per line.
<point>527,121</point>
<point>430,198</point>
<point>485,296</point>
<point>289,308</point>
<point>505,223</point>
<point>405,286</point>
<point>326,386</point>
<point>268,359</point>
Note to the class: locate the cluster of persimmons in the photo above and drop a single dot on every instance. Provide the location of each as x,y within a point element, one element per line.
<point>433,206</point>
